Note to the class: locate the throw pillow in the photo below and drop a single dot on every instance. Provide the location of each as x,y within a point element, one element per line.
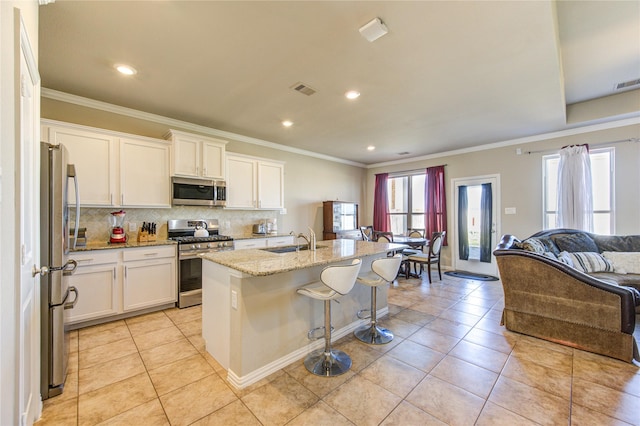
<point>565,258</point>
<point>576,243</point>
<point>590,262</point>
<point>624,262</point>
<point>532,244</point>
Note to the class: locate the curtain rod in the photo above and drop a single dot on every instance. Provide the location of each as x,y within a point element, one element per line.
<point>406,172</point>
<point>591,145</point>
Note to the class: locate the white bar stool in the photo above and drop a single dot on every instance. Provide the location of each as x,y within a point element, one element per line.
<point>336,281</point>
<point>383,271</point>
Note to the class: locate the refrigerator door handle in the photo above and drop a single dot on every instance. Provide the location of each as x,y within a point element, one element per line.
<point>71,305</point>
<point>69,267</point>
<point>71,172</point>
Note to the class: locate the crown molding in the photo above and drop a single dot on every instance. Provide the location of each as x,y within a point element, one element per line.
<point>528,139</point>
<point>171,122</point>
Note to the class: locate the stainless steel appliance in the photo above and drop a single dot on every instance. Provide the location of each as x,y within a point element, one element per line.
<point>189,247</point>
<point>55,242</point>
<point>198,192</point>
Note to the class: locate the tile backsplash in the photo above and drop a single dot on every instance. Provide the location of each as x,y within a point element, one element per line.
<point>236,223</point>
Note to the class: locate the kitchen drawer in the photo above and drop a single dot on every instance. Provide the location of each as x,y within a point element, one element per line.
<point>148,253</point>
<point>251,243</point>
<point>95,257</point>
<point>280,241</point>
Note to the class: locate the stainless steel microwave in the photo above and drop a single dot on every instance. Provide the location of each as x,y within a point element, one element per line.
<point>198,192</point>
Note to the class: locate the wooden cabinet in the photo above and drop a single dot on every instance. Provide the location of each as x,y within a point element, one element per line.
<point>340,220</point>
<point>149,277</point>
<point>196,156</point>
<point>95,157</point>
<point>144,173</point>
<point>97,282</point>
<point>254,183</point>
<point>115,169</point>
<point>117,282</point>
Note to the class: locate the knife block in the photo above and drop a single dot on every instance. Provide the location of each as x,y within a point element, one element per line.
<point>143,236</point>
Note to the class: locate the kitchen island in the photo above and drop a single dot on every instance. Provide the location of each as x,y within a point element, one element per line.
<point>253,321</point>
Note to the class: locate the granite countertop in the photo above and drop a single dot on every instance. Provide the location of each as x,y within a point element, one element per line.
<point>132,243</point>
<point>262,263</point>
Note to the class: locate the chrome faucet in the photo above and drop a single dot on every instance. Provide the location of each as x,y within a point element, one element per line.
<point>307,239</point>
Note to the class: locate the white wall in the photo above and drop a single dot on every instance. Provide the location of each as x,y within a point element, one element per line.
<point>9,260</point>
<point>521,179</point>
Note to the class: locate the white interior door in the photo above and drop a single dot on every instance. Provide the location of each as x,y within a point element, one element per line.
<point>473,184</point>
<point>28,225</point>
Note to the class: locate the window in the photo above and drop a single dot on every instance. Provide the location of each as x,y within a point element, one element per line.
<point>406,202</point>
<point>602,185</point>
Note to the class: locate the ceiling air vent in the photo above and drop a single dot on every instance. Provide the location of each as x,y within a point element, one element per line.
<point>303,88</point>
<point>628,84</point>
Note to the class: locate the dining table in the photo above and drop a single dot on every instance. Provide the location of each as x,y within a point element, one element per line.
<point>414,243</point>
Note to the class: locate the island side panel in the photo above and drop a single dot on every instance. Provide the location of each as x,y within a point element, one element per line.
<point>216,311</point>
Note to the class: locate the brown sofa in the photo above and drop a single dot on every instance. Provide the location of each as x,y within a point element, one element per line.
<point>548,299</point>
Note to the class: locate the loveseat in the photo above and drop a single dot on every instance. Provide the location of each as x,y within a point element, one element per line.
<point>560,286</point>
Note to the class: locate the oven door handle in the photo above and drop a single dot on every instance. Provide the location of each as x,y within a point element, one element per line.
<point>187,256</point>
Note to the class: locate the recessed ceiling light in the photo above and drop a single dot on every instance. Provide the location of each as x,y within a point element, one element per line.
<point>352,94</point>
<point>126,69</point>
<point>371,148</point>
<point>287,123</point>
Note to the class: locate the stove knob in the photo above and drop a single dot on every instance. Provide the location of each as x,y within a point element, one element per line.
<point>209,245</point>
<point>193,246</point>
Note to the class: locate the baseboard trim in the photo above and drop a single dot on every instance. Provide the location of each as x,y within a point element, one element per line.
<point>255,376</point>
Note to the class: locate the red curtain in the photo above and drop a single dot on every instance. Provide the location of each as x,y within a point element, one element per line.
<point>381,221</point>
<point>435,202</point>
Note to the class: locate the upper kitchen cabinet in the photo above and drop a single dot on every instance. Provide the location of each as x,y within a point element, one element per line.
<point>196,156</point>
<point>115,169</point>
<point>95,157</point>
<point>254,183</point>
<point>144,173</point>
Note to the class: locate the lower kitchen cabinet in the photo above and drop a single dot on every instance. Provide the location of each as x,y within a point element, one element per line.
<point>96,280</point>
<point>150,281</point>
<point>114,283</point>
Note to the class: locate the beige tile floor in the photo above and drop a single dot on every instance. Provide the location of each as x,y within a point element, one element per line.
<point>450,363</point>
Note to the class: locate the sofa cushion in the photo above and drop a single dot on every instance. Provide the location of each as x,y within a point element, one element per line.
<point>532,244</point>
<point>576,243</point>
<point>586,261</point>
<point>617,242</point>
<point>624,262</point>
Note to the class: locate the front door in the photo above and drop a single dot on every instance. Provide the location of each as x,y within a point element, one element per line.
<point>476,202</point>
<point>28,226</point>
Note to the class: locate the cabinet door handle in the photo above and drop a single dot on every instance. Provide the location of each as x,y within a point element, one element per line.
<point>114,273</point>
<point>151,254</point>
<point>111,198</point>
<point>125,272</point>
<point>121,199</point>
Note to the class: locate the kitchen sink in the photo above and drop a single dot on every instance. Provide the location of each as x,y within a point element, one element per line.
<point>289,249</point>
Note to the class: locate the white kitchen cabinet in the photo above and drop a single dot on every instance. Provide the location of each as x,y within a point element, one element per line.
<point>96,279</point>
<point>287,240</point>
<point>115,169</point>
<point>144,173</point>
<point>149,277</point>
<point>95,157</point>
<point>250,243</point>
<point>196,156</point>
<point>115,283</point>
<point>254,183</point>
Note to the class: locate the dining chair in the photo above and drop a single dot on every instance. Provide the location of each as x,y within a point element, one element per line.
<point>367,233</point>
<point>431,257</point>
<point>383,237</point>
<point>413,233</point>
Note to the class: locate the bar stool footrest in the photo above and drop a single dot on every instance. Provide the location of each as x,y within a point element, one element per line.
<point>364,314</point>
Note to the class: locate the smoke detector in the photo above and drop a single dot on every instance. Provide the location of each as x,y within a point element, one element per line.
<point>373,30</point>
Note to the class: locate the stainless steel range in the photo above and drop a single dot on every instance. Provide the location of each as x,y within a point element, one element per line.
<point>189,247</point>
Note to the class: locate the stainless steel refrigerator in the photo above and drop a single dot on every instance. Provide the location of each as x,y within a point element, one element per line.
<point>55,294</point>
